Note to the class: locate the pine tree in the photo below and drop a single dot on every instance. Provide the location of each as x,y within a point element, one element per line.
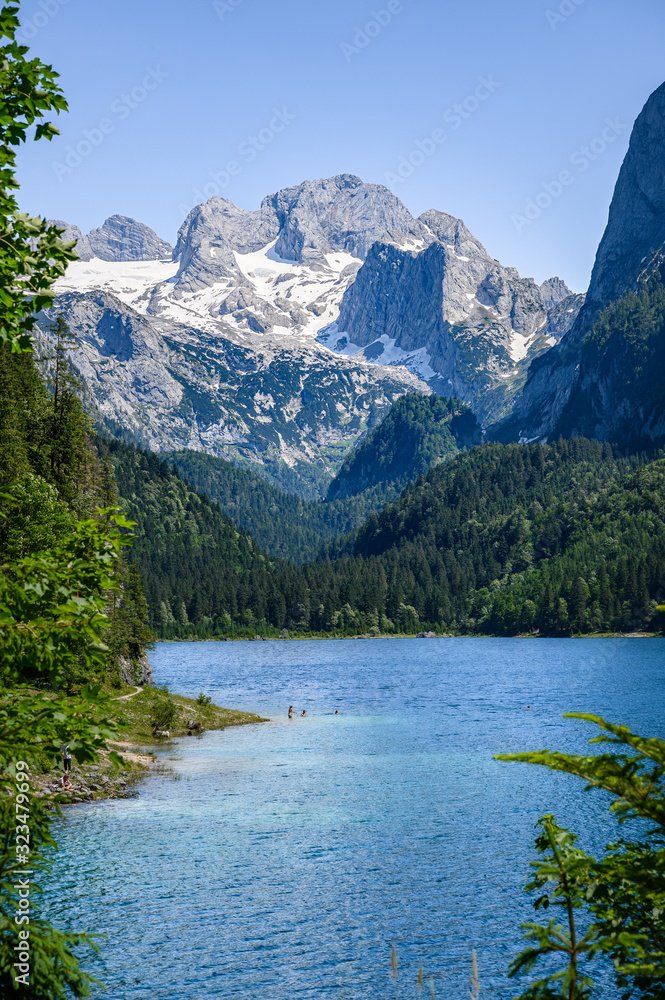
<point>131,628</point>
<point>578,601</point>
<point>562,625</point>
<point>68,421</point>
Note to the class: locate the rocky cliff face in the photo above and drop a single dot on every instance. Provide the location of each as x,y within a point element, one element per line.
<point>121,238</point>
<point>83,248</point>
<point>135,671</point>
<point>304,224</point>
<point>636,226</point>
<point>338,214</point>
<point>345,262</point>
<point>630,246</point>
<point>210,237</point>
<point>453,233</point>
<point>464,323</point>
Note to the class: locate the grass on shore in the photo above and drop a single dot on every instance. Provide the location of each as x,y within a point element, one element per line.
<point>137,713</point>
<point>134,717</point>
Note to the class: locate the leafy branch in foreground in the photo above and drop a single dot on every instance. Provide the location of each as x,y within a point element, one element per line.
<point>564,871</point>
<point>52,600</point>
<point>52,625</point>
<point>624,892</point>
<point>34,726</point>
<point>52,604</point>
<point>32,255</point>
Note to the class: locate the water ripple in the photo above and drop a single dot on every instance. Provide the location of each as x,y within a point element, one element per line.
<point>291,855</point>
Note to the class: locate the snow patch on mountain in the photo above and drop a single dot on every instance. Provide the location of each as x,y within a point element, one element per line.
<point>128,280</point>
<point>383,351</point>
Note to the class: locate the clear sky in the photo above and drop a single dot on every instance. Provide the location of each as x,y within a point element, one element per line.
<point>164,95</point>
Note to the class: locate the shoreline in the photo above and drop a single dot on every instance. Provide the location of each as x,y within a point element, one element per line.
<point>101,781</point>
<point>337,638</point>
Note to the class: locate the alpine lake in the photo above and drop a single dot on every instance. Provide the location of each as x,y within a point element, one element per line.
<point>283,860</point>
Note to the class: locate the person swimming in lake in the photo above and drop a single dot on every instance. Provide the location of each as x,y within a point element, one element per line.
<point>290,711</point>
<point>303,714</point>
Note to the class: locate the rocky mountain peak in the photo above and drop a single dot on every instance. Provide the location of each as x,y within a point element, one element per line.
<point>338,266</point>
<point>119,239</point>
<point>210,235</point>
<point>553,291</point>
<point>634,234</point>
<point>636,225</point>
<point>122,238</point>
<point>306,222</point>
<point>337,214</point>
<point>451,231</point>
<point>466,324</point>
<point>83,248</point>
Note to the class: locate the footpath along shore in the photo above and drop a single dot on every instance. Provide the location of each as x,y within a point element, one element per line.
<point>134,712</point>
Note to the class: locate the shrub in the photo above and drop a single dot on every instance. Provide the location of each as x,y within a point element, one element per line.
<point>163,713</point>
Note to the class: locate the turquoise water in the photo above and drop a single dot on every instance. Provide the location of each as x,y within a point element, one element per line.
<point>291,855</point>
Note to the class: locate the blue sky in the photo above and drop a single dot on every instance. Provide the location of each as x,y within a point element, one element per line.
<point>248,96</point>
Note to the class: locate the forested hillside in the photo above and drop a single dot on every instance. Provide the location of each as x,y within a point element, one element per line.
<point>618,390</point>
<point>510,538</point>
<point>417,432</point>
<point>51,483</point>
<point>558,539</point>
<point>199,572</point>
<point>68,609</point>
<point>282,524</point>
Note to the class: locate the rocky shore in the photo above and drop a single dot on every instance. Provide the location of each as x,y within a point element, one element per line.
<point>97,781</point>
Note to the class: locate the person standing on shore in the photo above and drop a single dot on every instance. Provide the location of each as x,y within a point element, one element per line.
<point>66,758</point>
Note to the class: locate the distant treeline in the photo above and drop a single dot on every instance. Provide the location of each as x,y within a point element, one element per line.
<point>560,539</point>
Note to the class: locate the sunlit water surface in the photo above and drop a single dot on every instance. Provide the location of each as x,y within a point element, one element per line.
<point>291,855</point>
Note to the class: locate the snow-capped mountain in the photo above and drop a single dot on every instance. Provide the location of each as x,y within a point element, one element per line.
<point>291,413</point>
<point>330,291</point>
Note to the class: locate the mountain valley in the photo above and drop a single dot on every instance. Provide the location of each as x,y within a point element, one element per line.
<point>329,345</point>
